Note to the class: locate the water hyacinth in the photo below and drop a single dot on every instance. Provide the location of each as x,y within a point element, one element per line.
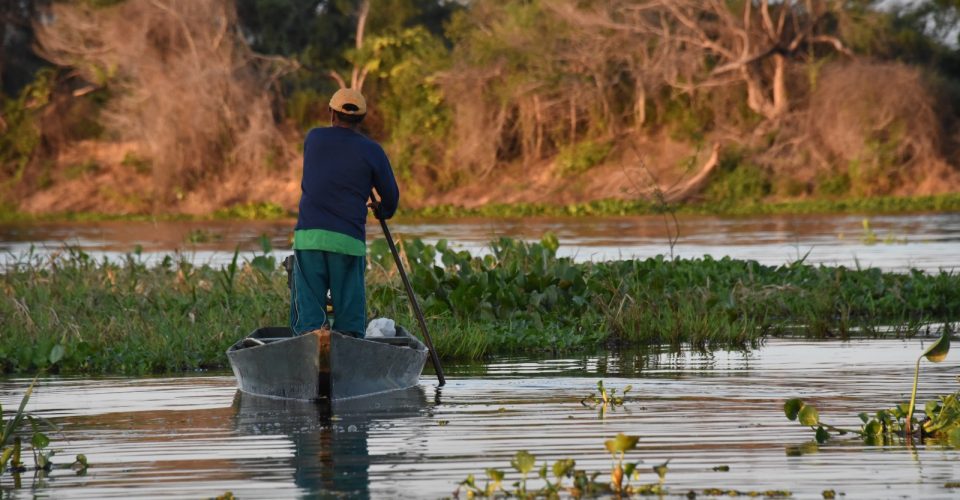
<point>941,416</point>
<point>12,432</point>
<point>71,313</point>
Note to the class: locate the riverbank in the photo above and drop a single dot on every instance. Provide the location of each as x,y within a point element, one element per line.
<point>271,211</point>
<point>69,313</point>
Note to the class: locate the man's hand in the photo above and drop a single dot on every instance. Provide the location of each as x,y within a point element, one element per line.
<point>374,205</point>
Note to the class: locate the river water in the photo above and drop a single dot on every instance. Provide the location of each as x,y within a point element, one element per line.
<point>929,242</point>
<point>197,437</point>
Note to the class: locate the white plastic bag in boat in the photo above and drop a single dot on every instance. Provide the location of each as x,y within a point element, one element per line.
<point>381,327</point>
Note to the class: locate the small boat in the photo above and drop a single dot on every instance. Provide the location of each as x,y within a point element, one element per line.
<point>325,364</point>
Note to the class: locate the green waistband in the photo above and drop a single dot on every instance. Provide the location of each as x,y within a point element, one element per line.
<point>330,241</point>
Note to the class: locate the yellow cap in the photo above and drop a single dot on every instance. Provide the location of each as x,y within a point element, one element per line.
<point>349,102</point>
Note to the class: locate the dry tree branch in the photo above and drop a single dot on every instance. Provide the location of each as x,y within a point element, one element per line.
<point>359,74</point>
<point>337,78</point>
<point>184,27</point>
<point>186,88</point>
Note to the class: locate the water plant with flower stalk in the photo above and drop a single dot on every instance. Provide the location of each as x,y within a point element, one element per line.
<point>942,420</point>
<point>935,354</point>
<point>617,447</point>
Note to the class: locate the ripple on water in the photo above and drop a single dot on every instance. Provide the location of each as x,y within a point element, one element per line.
<point>195,437</point>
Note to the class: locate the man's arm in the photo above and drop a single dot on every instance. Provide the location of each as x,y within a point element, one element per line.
<point>386,186</point>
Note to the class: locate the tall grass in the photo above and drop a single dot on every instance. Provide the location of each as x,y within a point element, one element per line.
<point>71,313</point>
<point>128,317</point>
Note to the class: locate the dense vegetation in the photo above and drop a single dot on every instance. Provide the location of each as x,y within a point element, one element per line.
<point>175,105</point>
<point>73,314</point>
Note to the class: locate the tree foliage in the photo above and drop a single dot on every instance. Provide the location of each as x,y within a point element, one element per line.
<point>218,89</point>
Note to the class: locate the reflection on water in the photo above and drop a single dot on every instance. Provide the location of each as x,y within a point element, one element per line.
<point>195,437</point>
<point>330,452</point>
<point>929,242</point>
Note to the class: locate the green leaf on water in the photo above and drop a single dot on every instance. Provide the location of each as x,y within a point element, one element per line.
<point>495,475</point>
<point>808,416</point>
<point>938,351</point>
<point>954,437</point>
<point>563,467</point>
<point>886,417</point>
<point>264,264</point>
<point>628,470</point>
<point>931,409</point>
<point>901,410</point>
<point>550,241</point>
<point>661,470</point>
<point>621,443</point>
<point>39,440</point>
<point>265,243</point>
<point>56,354</point>
<point>864,417</point>
<point>523,461</point>
<point>822,435</point>
<point>792,408</point>
<point>873,428</point>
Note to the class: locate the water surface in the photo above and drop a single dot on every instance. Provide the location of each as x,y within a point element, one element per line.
<point>896,242</point>
<point>196,437</point>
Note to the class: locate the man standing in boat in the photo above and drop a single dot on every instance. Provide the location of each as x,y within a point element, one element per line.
<point>341,166</point>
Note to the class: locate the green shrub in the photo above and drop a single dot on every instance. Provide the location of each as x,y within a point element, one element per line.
<point>78,170</point>
<point>582,156</point>
<point>687,119</point>
<point>307,109</point>
<point>21,136</point>
<point>877,170</point>
<point>253,211</point>
<point>139,165</point>
<point>834,184</point>
<point>738,183</point>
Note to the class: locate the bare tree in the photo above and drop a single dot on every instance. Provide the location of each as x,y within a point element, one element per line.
<point>185,86</point>
<point>709,43</point>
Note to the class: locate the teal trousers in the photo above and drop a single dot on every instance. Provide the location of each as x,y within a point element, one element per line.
<point>315,272</point>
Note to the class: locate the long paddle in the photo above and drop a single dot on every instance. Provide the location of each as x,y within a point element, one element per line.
<point>413,298</point>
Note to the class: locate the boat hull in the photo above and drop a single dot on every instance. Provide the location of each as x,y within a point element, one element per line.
<point>324,364</point>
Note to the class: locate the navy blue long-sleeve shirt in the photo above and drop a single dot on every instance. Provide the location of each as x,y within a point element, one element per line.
<point>340,166</point>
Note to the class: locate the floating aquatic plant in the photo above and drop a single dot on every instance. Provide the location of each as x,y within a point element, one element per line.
<point>68,312</point>
<point>604,399</point>
<point>563,476</point>
<point>942,416</point>
<point>935,354</point>
<point>12,446</point>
